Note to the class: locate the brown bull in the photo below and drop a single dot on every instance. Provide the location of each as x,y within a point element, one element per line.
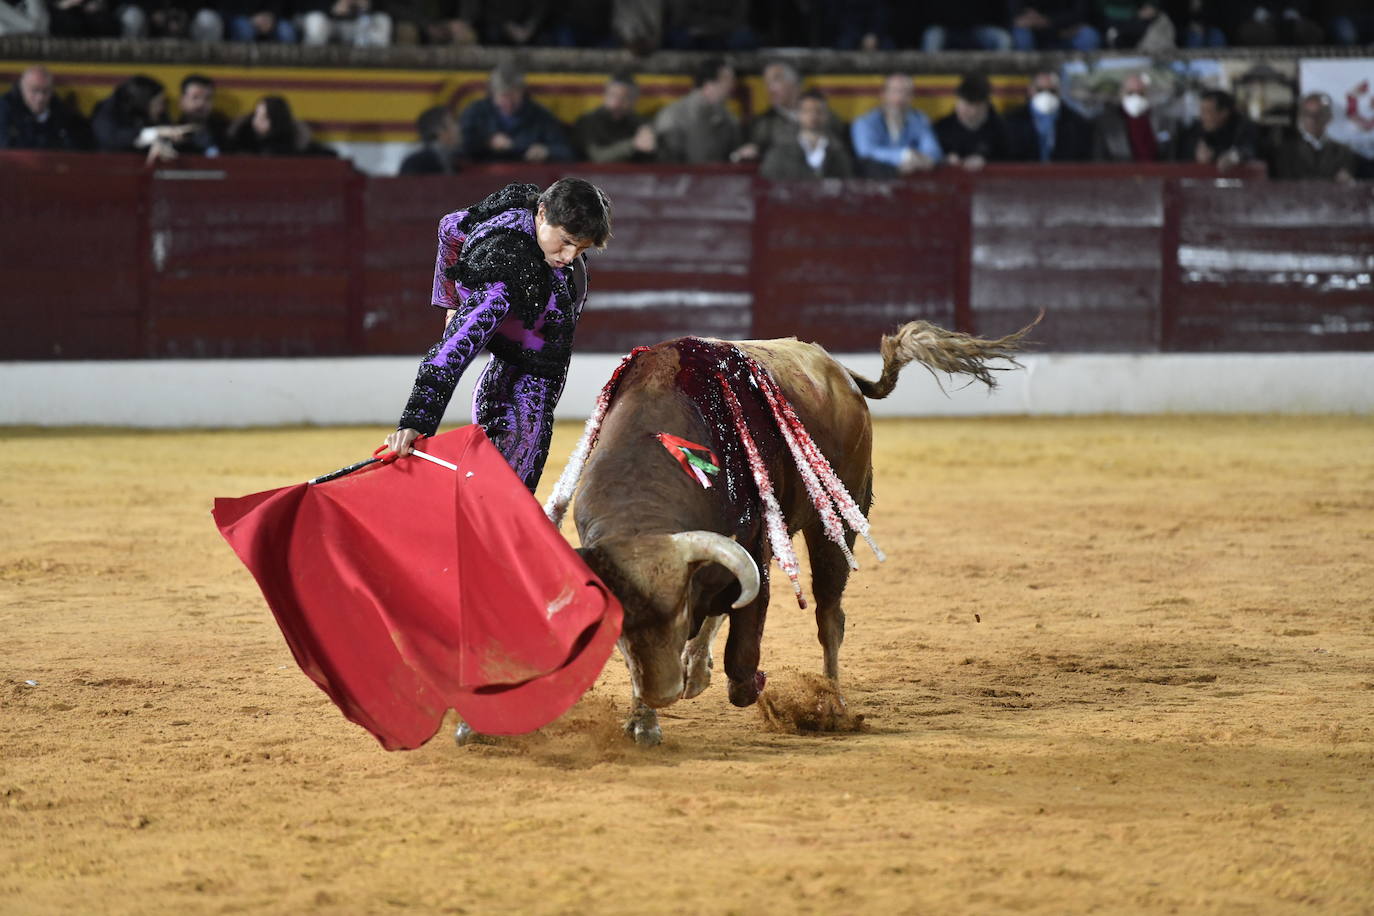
<point>677,555</point>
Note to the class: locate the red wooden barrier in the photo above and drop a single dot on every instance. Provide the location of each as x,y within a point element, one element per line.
<point>248,257</point>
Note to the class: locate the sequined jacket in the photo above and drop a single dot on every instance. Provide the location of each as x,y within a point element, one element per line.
<point>506,298</point>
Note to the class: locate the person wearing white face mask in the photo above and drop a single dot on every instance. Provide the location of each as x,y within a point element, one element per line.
<point>1046,130</point>
<point>1127,131</point>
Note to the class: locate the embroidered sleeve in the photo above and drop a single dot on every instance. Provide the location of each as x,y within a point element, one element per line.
<point>464,337</point>
<point>445,295</point>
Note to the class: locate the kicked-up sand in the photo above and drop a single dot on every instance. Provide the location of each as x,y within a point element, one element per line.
<point>1111,665</point>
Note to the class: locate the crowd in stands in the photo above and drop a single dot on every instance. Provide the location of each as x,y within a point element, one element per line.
<point>798,137</point>
<point>712,25</point>
<point>135,119</point>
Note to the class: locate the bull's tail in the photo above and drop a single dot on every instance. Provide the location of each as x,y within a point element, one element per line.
<point>939,350</point>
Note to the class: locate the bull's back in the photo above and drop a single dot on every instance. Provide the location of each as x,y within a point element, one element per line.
<point>824,395</point>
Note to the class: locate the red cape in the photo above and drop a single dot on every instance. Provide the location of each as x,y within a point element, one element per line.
<point>406,589</point>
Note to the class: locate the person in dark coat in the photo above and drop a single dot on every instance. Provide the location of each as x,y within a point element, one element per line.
<point>813,151</point>
<point>1221,136</point>
<point>134,118</point>
<point>31,117</point>
<point>613,132</point>
<point>973,134</point>
<point>508,126</point>
<point>1053,25</point>
<point>1045,129</point>
<point>1310,153</point>
<point>209,134</point>
<point>442,141</point>
<point>271,130</point>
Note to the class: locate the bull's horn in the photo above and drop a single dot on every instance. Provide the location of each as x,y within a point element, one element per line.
<point>707,545</point>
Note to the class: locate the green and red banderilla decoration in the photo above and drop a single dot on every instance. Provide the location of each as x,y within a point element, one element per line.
<point>697,461</point>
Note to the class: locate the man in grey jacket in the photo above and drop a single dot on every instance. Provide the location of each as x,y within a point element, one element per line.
<point>698,127</point>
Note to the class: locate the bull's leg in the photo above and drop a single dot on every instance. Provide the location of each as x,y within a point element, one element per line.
<point>743,645</point>
<point>642,726</point>
<point>697,660</point>
<point>829,575</point>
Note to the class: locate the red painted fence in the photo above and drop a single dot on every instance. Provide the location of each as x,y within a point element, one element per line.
<point>102,258</point>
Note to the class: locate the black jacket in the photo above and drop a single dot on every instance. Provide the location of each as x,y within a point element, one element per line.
<point>428,161</point>
<point>64,128</point>
<point>989,140</point>
<point>1073,136</point>
<point>1237,134</point>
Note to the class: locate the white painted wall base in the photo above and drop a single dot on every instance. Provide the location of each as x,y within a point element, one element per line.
<point>372,390</point>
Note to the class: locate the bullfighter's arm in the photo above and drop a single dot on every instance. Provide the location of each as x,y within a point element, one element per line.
<point>464,337</point>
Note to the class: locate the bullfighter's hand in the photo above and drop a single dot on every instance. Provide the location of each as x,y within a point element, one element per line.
<point>402,441</point>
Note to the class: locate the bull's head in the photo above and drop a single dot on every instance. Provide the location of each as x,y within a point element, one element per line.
<point>655,579</point>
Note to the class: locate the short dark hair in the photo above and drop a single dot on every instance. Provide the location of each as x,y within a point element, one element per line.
<point>579,207</point>
<point>625,77</point>
<point>1223,100</point>
<point>708,69</point>
<point>196,79</point>
<point>814,94</point>
<point>974,89</point>
<point>431,122</point>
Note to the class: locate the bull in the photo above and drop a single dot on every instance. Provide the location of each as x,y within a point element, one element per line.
<point>676,554</point>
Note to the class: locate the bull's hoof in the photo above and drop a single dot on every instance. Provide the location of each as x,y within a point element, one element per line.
<point>698,679</point>
<point>465,736</point>
<point>644,730</point>
<point>746,693</point>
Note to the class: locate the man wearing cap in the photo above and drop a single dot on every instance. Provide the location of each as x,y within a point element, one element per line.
<point>973,134</point>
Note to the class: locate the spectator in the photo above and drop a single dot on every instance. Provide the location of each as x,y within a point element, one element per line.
<point>93,19</point>
<point>1046,130</point>
<point>613,132</point>
<point>360,23</point>
<point>1273,22</point>
<point>971,25</point>
<point>851,25</point>
<point>638,24</point>
<point>779,123</point>
<point>894,138</point>
<point>24,17</point>
<point>209,134</point>
<point>507,125</point>
<point>1198,23</point>
<point>171,19</point>
<point>435,22</point>
<point>512,22</point>
<point>1053,25</point>
<point>973,134</point>
<point>260,20</point>
<point>134,118</point>
<point>271,130</point>
<point>698,127</point>
<point>812,151</point>
<point>1311,153</point>
<point>1126,131</point>
<point>31,117</point>
<point>1221,136</point>
<point>439,133</point>
<point>1140,24</point>
<point>1347,22</point>
<point>709,25</point>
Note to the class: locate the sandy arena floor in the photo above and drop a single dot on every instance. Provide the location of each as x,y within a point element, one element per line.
<point>1112,665</point>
